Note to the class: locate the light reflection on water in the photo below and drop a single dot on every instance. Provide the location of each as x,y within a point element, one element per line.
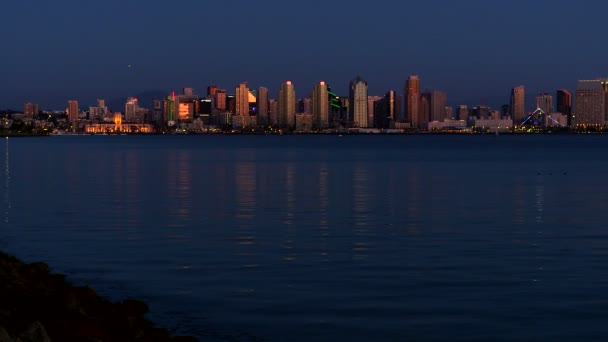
<point>322,238</point>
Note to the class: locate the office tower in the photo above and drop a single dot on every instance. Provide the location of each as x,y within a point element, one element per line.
<point>320,105</point>
<point>304,106</point>
<point>101,103</point>
<point>591,102</point>
<point>73,110</point>
<point>242,99</point>
<point>518,108</point>
<point>371,100</point>
<point>385,110</point>
<point>398,107</point>
<point>424,108</point>
<point>544,101</point>
<point>188,91</point>
<point>449,113</point>
<point>220,99</point>
<point>564,104</point>
<point>157,111</point>
<point>212,91</point>
<point>287,105</point>
<point>273,112</point>
<point>358,102</point>
<point>131,107</point>
<point>463,113</point>
<point>505,111</point>
<point>437,104</point>
<point>411,97</point>
<point>30,109</point>
<point>263,105</point>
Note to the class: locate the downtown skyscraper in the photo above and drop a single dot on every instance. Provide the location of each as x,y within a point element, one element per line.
<point>411,96</point>
<point>242,99</point>
<point>73,110</point>
<point>518,106</point>
<point>564,104</point>
<point>263,105</point>
<point>544,101</point>
<point>358,102</point>
<point>287,105</point>
<point>320,105</point>
<point>591,106</point>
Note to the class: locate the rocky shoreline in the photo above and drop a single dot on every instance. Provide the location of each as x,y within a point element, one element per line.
<point>37,305</point>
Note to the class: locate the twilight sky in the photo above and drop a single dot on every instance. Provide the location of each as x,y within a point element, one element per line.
<point>475,50</point>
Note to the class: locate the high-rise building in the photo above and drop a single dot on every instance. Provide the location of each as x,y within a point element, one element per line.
<point>463,113</point>
<point>518,107</point>
<point>358,102</point>
<point>263,105</point>
<point>544,101</point>
<point>287,105</point>
<point>437,104</point>
<point>564,104</point>
<point>131,107</point>
<point>220,99</point>
<point>273,112</point>
<point>411,97</point>
<point>242,99</point>
<point>320,105</point>
<point>424,108</point>
<point>590,102</point>
<point>212,90</point>
<point>73,110</point>
<point>30,109</point>
<point>449,113</point>
<point>371,100</point>
<point>385,110</point>
<point>398,107</point>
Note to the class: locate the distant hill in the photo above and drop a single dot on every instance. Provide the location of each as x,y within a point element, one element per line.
<point>145,100</point>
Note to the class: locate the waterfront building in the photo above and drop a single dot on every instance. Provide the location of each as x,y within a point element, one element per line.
<point>493,125</point>
<point>424,108</point>
<point>463,113</point>
<point>437,104</point>
<point>273,112</point>
<point>411,97</point>
<point>518,107</point>
<point>371,100</point>
<point>358,102</point>
<point>131,108</point>
<point>304,122</point>
<point>262,105</point>
<point>544,101</point>
<point>220,99</point>
<point>287,105</point>
<point>242,99</point>
<point>73,110</point>
<point>30,110</point>
<point>564,104</point>
<point>591,109</point>
<point>320,105</point>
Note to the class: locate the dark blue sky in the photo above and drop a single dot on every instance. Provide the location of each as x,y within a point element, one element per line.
<point>475,50</point>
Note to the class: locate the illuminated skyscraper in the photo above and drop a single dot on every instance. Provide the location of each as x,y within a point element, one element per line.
<point>411,96</point>
<point>220,99</point>
<point>73,111</point>
<point>371,105</point>
<point>242,99</point>
<point>263,106</point>
<point>30,109</point>
<point>463,113</point>
<point>564,104</point>
<point>357,111</point>
<point>424,108</point>
<point>518,107</point>
<point>273,112</point>
<point>590,102</point>
<point>287,105</point>
<point>131,109</point>
<point>212,90</point>
<point>320,105</point>
<point>545,103</point>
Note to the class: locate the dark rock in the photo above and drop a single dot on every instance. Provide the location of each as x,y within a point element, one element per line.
<point>35,333</point>
<point>134,307</point>
<point>184,339</point>
<point>4,337</point>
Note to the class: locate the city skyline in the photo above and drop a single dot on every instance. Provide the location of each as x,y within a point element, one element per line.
<point>471,50</point>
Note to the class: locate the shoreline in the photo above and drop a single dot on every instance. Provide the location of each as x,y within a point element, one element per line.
<point>43,306</point>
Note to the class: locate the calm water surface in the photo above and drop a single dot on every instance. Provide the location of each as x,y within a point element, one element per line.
<point>299,238</point>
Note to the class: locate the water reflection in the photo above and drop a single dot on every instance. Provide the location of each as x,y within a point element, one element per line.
<point>180,193</point>
<point>289,240</point>
<point>7,183</point>
<point>412,206</point>
<point>539,200</point>
<point>361,210</point>
<point>246,203</point>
